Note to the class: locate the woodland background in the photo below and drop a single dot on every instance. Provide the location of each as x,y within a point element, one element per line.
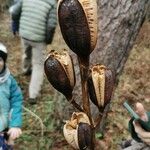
<point>134,85</point>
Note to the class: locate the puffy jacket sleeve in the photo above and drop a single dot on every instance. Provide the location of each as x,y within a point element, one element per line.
<point>16,100</point>
<point>15,10</point>
<point>51,23</point>
<point>52,17</point>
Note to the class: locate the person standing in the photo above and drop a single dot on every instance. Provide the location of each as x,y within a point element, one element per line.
<point>14,20</point>
<point>38,20</point>
<point>11,100</point>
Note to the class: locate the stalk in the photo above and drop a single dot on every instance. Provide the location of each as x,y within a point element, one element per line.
<point>72,101</point>
<point>84,68</point>
<point>84,71</point>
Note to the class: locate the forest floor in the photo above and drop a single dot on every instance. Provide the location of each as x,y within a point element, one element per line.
<point>134,85</point>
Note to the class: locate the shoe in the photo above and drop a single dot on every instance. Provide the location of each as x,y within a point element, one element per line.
<point>32,101</point>
<point>126,143</point>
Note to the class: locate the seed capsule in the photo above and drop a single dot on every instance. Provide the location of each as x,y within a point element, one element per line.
<point>60,72</point>
<point>78,132</point>
<point>85,136</point>
<point>78,24</point>
<point>100,85</point>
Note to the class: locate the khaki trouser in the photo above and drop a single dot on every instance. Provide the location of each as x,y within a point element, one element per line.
<point>34,56</point>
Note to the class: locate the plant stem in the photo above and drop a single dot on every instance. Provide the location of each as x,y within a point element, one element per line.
<point>84,71</point>
<point>73,102</point>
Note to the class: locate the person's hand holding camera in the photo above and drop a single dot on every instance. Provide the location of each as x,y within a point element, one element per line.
<point>142,134</point>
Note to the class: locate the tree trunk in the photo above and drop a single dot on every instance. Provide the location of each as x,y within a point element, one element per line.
<point>119,22</point>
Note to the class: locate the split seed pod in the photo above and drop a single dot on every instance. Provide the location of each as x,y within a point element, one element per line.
<point>78,132</point>
<point>100,85</point>
<point>60,72</point>
<point>78,24</point>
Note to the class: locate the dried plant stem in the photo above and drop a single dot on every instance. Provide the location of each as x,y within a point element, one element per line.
<point>37,117</point>
<point>75,105</point>
<point>84,70</point>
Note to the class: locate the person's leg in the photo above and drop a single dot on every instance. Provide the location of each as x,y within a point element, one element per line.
<point>3,143</point>
<point>38,57</point>
<point>26,57</point>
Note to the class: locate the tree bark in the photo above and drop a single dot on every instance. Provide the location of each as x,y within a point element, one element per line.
<point>119,24</point>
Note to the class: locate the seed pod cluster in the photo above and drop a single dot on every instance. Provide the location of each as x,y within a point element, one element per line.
<point>60,72</point>
<point>78,24</point>
<point>100,85</point>
<point>78,132</point>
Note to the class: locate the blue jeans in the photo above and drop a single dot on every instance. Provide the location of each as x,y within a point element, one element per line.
<point>3,143</point>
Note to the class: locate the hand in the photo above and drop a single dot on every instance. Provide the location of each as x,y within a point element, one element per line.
<point>14,132</point>
<point>142,134</point>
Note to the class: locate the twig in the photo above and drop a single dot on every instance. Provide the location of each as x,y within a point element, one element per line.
<point>75,105</point>
<point>84,68</point>
<point>37,117</point>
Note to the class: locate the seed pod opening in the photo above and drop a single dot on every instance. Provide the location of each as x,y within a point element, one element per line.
<point>100,85</point>
<point>77,131</point>
<point>78,24</point>
<point>60,72</point>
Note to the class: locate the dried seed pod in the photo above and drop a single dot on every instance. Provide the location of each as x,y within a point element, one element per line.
<point>78,24</point>
<point>60,72</point>
<point>78,132</point>
<point>81,117</point>
<point>100,85</point>
<point>85,136</point>
<point>70,133</point>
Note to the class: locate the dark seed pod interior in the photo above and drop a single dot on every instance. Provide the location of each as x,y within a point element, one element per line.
<point>91,90</point>
<point>85,136</point>
<point>74,27</point>
<point>109,85</point>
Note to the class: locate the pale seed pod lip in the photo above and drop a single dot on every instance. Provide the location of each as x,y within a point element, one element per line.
<point>67,64</point>
<point>58,4</point>
<point>49,54</point>
<point>102,81</point>
<point>98,78</point>
<point>72,123</point>
<point>90,9</point>
<point>68,67</point>
<point>97,67</point>
<point>71,137</point>
<point>81,117</point>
